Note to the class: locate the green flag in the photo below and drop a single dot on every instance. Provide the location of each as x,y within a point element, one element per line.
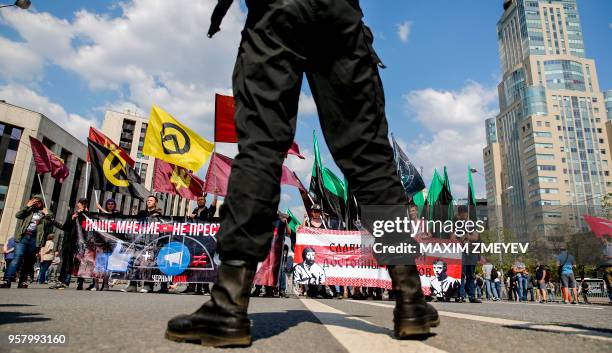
<point>294,222</point>
<point>326,189</point>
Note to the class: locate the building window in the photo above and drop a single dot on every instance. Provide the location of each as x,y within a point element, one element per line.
<point>9,136</point>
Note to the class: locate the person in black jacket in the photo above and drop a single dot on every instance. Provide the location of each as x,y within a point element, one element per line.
<point>327,42</point>
<point>201,212</point>
<point>69,244</point>
<point>149,214</point>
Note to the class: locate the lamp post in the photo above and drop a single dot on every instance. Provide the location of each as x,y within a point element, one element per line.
<point>22,4</point>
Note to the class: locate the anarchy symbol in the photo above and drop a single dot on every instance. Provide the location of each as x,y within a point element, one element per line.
<point>174,139</point>
<point>111,172</point>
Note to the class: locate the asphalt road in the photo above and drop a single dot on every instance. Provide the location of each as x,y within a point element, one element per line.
<point>133,322</point>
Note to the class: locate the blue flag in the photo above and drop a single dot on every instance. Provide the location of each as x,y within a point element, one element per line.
<point>409,175</point>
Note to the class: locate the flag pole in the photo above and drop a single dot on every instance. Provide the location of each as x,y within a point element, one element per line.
<point>86,179</point>
<point>42,191</point>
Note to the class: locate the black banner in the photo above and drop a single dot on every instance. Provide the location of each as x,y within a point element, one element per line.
<point>163,249</point>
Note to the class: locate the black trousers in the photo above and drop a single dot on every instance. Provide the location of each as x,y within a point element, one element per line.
<point>327,41</point>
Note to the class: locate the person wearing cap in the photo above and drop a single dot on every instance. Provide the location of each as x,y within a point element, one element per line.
<point>316,220</point>
<point>34,224</point>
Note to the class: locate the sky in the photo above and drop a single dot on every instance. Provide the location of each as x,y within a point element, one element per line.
<point>73,60</point>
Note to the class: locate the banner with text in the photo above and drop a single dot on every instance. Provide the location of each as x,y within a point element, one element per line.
<point>159,249</point>
<point>336,257</point>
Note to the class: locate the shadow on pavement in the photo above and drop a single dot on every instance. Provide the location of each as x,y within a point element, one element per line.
<point>266,325</point>
<point>564,328</point>
<point>13,317</point>
<point>13,305</point>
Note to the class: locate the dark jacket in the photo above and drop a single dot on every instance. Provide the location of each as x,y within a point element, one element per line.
<point>205,215</point>
<point>44,228</point>
<point>145,215</point>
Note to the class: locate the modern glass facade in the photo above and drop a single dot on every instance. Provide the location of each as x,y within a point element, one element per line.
<point>491,130</point>
<point>551,134</point>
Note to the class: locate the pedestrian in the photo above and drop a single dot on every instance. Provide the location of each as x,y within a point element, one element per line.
<point>487,270</point>
<point>8,251</point>
<point>584,289</point>
<point>468,261</point>
<point>521,282</point>
<point>606,263</point>
<point>46,257</point>
<point>54,268</point>
<point>540,277</point>
<point>566,263</point>
<point>550,286</point>
<point>34,224</point>
<point>529,285</point>
<point>281,41</point>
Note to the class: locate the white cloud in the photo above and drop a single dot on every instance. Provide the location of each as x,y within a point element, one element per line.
<point>455,120</point>
<point>403,30</point>
<point>24,97</point>
<point>154,52</point>
<point>307,105</point>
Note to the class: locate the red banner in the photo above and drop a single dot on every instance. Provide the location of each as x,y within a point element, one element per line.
<point>176,180</point>
<point>599,226</point>
<point>337,257</point>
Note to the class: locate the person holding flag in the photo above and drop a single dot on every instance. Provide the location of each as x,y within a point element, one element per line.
<point>281,42</point>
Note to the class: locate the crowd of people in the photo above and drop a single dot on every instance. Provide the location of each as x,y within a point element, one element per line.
<point>32,254</point>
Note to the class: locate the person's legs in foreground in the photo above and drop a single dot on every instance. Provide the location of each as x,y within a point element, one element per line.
<point>281,41</point>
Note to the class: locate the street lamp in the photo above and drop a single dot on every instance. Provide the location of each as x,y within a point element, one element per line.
<point>22,4</point>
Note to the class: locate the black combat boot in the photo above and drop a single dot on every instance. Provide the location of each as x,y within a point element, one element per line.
<point>412,316</point>
<point>222,321</point>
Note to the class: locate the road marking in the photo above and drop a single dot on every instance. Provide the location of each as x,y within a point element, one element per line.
<point>593,334</point>
<point>573,306</point>
<point>359,335</point>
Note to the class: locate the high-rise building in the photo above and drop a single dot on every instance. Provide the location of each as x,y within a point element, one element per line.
<point>553,145</point>
<point>492,168</point>
<point>129,130</point>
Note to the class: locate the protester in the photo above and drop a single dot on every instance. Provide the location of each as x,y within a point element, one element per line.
<point>150,213</point>
<point>69,244</point>
<point>110,207</point>
<point>201,212</point>
<point>566,263</point>
<point>315,220</point>
<point>46,257</point>
<point>470,260</point>
<point>550,287</point>
<point>34,224</point>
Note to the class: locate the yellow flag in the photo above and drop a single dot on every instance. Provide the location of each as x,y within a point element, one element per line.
<point>175,143</point>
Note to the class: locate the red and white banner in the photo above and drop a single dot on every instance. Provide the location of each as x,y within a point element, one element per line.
<point>342,260</point>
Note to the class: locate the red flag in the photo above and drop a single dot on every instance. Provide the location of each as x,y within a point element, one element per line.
<point>267,273</point>
<point>599,226</point>
<point>295,150</point>
<point>220,168</point>
<point>218,174</point>
<point>99,138</point>
<point>176,180</point>
<point>290,178</point>
<point>225,126</point>
<point>46,161</point>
